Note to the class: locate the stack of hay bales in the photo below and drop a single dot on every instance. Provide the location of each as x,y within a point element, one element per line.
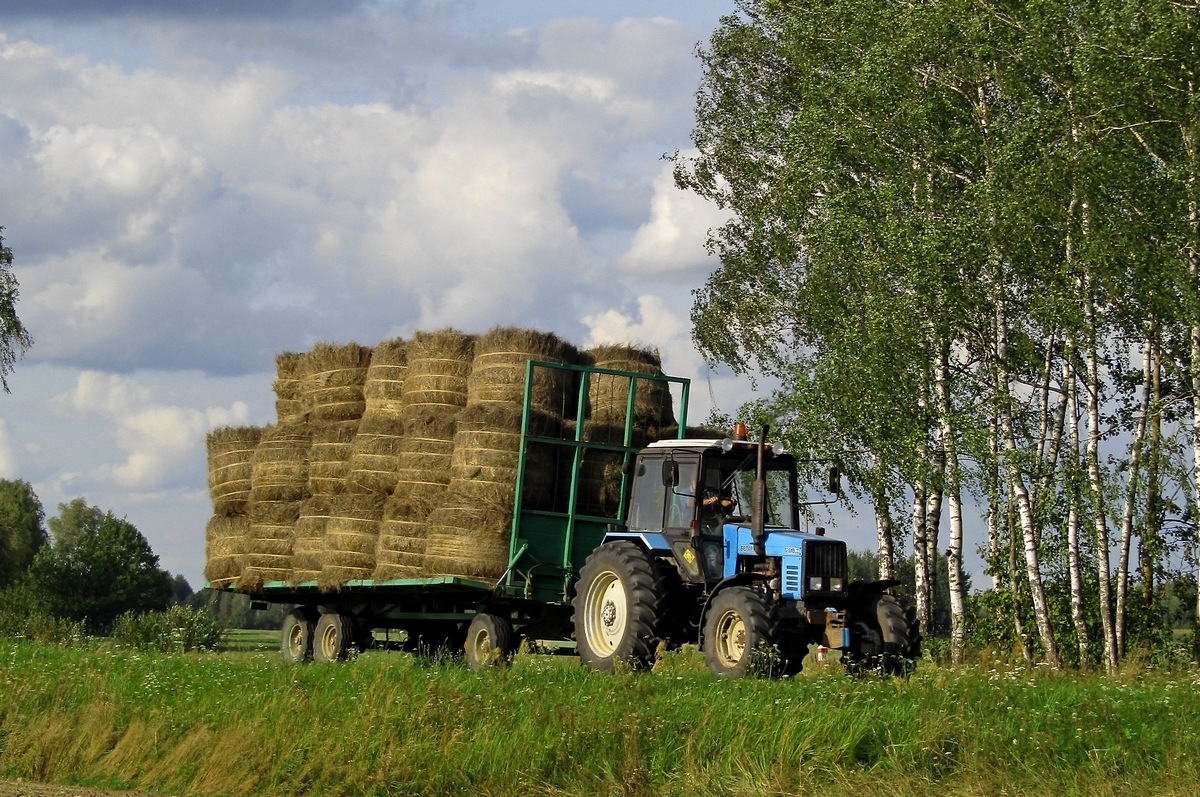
<point>289,408</point>
<point>278,487</point>
<point>230,451</point>
<point>469,531</point>
<point>374,456</point>
<point>433,394</point>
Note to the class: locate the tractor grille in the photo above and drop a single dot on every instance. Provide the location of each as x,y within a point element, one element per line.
<point>824,558</point>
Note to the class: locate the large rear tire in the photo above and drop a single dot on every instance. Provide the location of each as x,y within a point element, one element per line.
<point>738,634</point>
<point>889,639</point>
<point>617,605</point>
<point>333,637</point>
<point>296,637</point>
<point>491,641</point>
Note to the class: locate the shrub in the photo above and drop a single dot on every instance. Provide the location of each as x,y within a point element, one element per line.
<point>176,629</point>
<point>20,618</point>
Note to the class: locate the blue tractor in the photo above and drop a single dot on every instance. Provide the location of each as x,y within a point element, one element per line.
<point>712,551</point>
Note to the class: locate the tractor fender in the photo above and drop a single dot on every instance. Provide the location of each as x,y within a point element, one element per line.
<point>857,589</point>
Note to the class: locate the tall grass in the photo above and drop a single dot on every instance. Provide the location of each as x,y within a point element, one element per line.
<point>386,723</point>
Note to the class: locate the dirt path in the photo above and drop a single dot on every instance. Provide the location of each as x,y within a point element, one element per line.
<point>21,788</point>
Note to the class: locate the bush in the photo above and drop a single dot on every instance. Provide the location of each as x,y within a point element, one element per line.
<point>20,618</point>
<point>176,629</point>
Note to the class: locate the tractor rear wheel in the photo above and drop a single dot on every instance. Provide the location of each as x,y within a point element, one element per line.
<point>738,633</point>
<point>333,637</point>
<point>491,640</point>
<point>890,638</point>
<point>617,604</point>
<point>296,637</point>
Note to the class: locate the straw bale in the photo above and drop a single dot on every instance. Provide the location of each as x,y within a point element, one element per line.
<point>384,388</point>
<point>289,407</point>
<point>598,491</point>
<point>329,457</point>
<point>351,536</point>
<point>225,542</point>
<point>375,454</point>
<point>309,547</point>
<point>279,467</point>
<point>487,446</point>
<point>402,534</point>
<point>608,395</point>
<point>468,541</point>
<point>498,370</point>
<point>230,454</point>
<point>332,379</point>
<point>439,364</point>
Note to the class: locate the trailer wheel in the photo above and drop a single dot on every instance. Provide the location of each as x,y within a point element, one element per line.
<point>296,637</point>
<point>738,634</point>
<point>617,606</point>
<point>490,641</point>
<point>333,637</point>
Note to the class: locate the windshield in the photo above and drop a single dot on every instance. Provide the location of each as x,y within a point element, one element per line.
<point>733,477</point>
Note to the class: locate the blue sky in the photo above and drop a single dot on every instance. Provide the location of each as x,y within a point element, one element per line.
<point>192,187</point>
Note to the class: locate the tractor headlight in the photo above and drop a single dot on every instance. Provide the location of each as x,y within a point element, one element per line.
<point>837,584</point>
<point>816,584</point>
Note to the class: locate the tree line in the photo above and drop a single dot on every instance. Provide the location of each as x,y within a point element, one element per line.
<point>964,238</point>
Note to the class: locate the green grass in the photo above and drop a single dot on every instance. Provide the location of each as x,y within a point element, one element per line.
<point>386,723</point>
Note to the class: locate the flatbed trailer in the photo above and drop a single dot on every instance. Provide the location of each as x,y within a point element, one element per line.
<point>485,619</point>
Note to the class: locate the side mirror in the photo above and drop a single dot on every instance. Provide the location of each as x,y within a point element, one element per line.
<point>670,473</point>
<point>835,480</point>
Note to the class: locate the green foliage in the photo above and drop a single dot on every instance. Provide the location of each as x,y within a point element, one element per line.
<point>387,724</point>
<point>177,629</point>
<point>20,618</point>
<point>21,529</point>
<point>232,609</point>
<point>98,567</point>
<point>15,340</point>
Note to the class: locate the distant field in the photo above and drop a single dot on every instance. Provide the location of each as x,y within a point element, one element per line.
<point>243,723</point>
<point>245,639</point>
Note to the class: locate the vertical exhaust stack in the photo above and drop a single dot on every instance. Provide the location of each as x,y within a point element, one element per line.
<point>758,509</point>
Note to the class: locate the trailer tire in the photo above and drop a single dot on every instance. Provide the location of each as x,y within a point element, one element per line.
<point>739,634</point>
<point>617,604</point>
<point>296,637</point>
<point>333,637</point>
<point>491,641</point>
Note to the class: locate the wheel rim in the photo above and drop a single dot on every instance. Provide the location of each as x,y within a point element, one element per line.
<point>329,641</point>
<point>730,644</point>
<point>481,646</point>
<point>295,641</point>
<point>604,613</point>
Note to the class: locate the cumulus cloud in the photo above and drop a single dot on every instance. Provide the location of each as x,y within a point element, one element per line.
<point>155,443</point>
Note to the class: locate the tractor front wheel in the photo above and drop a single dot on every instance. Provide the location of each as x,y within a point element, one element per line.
<point>738,634</point>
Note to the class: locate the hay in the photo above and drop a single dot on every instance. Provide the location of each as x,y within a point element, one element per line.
<point>402,536</point>
<point>384,388</point>
<point>279,467</point>
<point>230,454</point>
<point>329,457</point>
<point>439,364</point>
<point>332,379</point>
<point>598,492</point>
<point>225,540</point>
<point>608,395</point>
<point>375,455</point>
<point>308,549</point>
<point>289,407</point>
<point>498,370</point>
<point>468,541</point>
<point>268,545</point>
<point>351,536</point>
<point>487,446</point>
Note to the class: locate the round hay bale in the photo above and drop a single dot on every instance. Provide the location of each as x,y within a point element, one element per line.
<point>351,536</point>
<point>608,395</point>
<point>439,364</point>
<point>487,447</point>
<point>384,388</point>
<point>598,492</point>
<point>329,456</point>
<point>225,542</point>
<point>498,370</point>
<point>268,547</point>
<point>472,542</point>
<point>230,455</point>
<point>289,407</point>
<point>279,467</point>
<point>332,379</point>
<point>375,454</point>
<point>308,548</point>
<point>402,535</point>
<point>423,455</point>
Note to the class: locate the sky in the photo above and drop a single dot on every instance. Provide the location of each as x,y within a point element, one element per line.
<point>193,187</point>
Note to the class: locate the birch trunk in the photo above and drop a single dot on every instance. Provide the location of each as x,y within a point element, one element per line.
<point>1073,563</point>
<point>958,603</point>
<point>1129,510</point>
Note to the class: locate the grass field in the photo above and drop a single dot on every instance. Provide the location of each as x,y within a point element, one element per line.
<point>242,723</point>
